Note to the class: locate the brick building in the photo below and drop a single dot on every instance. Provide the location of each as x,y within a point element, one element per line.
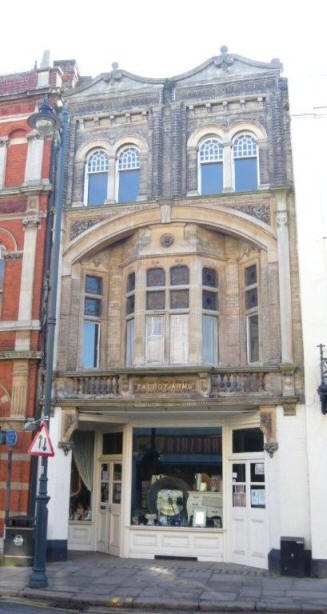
<point>26,185</point>
<point>179,364</point>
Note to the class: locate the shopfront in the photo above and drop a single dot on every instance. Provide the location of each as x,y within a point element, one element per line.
<point>154,488</point>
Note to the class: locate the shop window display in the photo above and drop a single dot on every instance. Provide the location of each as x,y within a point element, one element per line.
<point>81,482</point>
<point>177,473</point>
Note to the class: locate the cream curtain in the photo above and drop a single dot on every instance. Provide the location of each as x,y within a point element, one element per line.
<point>83,456</point>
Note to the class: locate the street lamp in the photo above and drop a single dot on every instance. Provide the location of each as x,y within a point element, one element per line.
<point>46,122</point>
<point>322,390</point>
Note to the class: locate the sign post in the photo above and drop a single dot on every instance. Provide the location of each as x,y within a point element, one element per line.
<point>41,444</point>
<point>11,441</point>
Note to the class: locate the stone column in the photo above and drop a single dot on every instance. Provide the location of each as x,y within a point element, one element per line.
<point>3,158</point>
<point>30,223</point>
<point>228,167</point>
<point>193,179</point>
<point>284,276</point>
<point>33,169</point>
<point>112,180</point>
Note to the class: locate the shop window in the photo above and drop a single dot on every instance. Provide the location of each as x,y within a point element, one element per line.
<point>91,325</point>
<point>211,166</point>
<point>252,315</point>
<point>247,440</point>
<point>177,477</point>
<point>245,163</point>
<point>81,483</point>
<point>209,316</point>
<point>130,328</point>
<point>96,178</point>
<point>128,174</point>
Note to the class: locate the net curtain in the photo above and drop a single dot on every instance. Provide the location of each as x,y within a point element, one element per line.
<point>83,456</point>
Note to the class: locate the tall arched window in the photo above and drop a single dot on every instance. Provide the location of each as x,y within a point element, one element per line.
<point>96,178</point>
<point>128,168</point>
<point>211,166</point>
<point>245,153</point>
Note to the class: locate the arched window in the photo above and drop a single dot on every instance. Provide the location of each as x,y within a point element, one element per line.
<point>128,168</point>
<point>96,178</point>
<point>245,153</point>
<point>211,166</point>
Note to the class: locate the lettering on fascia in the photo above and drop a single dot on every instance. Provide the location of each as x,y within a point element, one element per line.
<point>165,387</point>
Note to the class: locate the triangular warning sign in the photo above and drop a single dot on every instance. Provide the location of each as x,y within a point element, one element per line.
<point>41,444</point>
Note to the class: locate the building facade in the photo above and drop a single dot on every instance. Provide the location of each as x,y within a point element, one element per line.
<point>179,422</point>
<point>26,185</point>
<point>309,125</point>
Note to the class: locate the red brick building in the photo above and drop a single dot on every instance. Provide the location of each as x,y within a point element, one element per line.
<point>26,186</point>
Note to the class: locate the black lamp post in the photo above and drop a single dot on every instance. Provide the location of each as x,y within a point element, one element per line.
<point>46,122</point>
<point>322,390</point>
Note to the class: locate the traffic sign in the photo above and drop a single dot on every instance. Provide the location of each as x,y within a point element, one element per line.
<point>11,438</point>
<point>41,444</point>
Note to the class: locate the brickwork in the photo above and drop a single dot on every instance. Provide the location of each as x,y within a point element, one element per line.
<point>23,219</point>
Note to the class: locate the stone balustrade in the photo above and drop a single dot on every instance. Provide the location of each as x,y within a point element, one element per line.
<point>164,382</point>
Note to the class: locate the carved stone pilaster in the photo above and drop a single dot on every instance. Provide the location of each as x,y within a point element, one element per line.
<point>204,384</point>
<point>282,218</point>
<point>31,221</point>
<point>165,212</point>
<point>288,380</point>
<point>268,427</point>
<point>19,388</point>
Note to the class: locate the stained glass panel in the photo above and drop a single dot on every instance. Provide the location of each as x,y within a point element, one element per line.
<point>179,275</point>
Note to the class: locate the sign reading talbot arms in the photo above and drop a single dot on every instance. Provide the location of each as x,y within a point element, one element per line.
<point>164,386</point>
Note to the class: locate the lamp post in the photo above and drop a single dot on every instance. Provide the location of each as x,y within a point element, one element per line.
<point>46,122</point>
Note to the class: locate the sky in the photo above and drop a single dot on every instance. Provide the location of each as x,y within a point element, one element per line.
<point>162,39</point>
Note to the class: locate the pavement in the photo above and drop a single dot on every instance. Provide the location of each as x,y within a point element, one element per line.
<point>94,579</point>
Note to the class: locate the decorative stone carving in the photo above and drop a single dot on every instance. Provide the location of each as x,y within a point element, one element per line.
<point>288,380</point>
<point>261,212</point>
<point>19,388</point>
<point>31,220</point>
<point>224,61</point>
<point>282,218</point>
<point>81,225</point>
<point>165,210</point>
<point>3,140</point>
<point>12,255</point>
<point>268,427</point>
<point>114,75</point>
<point>69,424</point>
<point>167,240</point>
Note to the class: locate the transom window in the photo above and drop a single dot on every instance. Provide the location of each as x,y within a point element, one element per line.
<point>129,159</point>
<point>96,178</point>
<point>128,168</point>
<point>211,166</point>
<point>245,153</point>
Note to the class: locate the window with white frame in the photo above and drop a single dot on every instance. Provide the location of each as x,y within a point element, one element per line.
<point>252,314</point>
<point>2,274</point>
<point>130,320</point>
<point>96,178</point>
<point>211,166</point>
<point>91,324</point>
<point>128,170</point>
<point>167,316</point>
<point>245,155</point>
<point>210,311</point>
